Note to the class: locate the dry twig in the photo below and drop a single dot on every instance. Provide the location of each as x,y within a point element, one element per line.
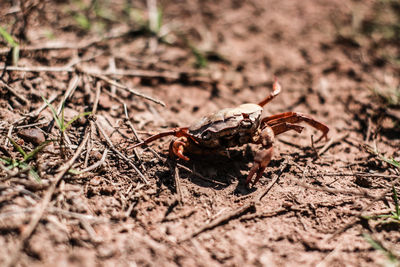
<point>331,142</point>
<point>199,175</point>
<point>15,93</point>
<point>175,172</point>
<point>221,220</point>
<point>97,164</point>
<point>361,174</point>
<point>276,178</point>
<point>36,112</point>
<point>98,74</point>
<point>124,87</point>
<point>130,125</point>
<point>122,156</point>
<point>362,193</point>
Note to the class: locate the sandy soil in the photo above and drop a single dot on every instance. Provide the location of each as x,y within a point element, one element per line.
<point>320,201</point>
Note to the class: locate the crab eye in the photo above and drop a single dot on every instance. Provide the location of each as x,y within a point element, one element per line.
<point>206,136</point>
<point>246,124</point>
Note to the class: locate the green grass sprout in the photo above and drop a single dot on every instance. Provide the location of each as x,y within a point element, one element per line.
<point>375,152</point>
<point>394,216</point>
<point>60,121</point>
<point>23,164</point>
<point>201,59</point>
<point>11,42</point>
<point>82,21</point>
<point>378,246</point>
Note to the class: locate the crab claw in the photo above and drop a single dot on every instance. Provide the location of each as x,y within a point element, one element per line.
<point>261,161</point>
<point>177,147</point>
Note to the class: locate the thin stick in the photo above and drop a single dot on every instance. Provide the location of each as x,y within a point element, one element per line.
<point>361,193</point>
<point>313,147</point>
<point>38,68</point>
<point>130,125</point>
<point>91,232</point>
<point>71,88</point>
<point>98,163</point>
<point>265,214</point>
<point>9,134</point>
<point>31,125</point>
<point>78,60</point>
<point>14,92</point>
<point>289,143</point>
<point>175,171</point>
<point>368,135</point>
<point>112,95</point>
<point>88,150</point>
<point>221,220</point>
<point>178,184</point>
<point>139,73</point>
<point>331,142</point>
<point>362,174</point>
<point>199,175</point>
<point>36,112</point>
<point>121,86</point>
<point>99,75</point>
<point>111,145</point>
<point>65,45</point>
<point>97,97</point>
<point>135,73</point>
<point>273,182</point>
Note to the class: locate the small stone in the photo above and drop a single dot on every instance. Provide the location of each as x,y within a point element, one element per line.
<point>33,135</point>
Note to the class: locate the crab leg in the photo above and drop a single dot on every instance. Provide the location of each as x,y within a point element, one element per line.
<point>262,157</point>
<point>294,117</point>
<point>177,132</point>
<point>284,127</point>
<point>261,161</point>
<point>276,90</point>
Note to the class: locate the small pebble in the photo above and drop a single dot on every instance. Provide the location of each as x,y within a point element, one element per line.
<point>33,135</point>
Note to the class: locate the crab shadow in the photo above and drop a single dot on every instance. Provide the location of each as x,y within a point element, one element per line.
<point>217,171</point>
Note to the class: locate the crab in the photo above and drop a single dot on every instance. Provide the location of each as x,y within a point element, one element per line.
<point>231,127</point>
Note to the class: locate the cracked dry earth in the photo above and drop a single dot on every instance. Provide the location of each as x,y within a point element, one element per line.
<point>196,213</point>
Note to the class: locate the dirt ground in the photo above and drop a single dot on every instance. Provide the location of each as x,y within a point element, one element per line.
<point>85,197</point>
